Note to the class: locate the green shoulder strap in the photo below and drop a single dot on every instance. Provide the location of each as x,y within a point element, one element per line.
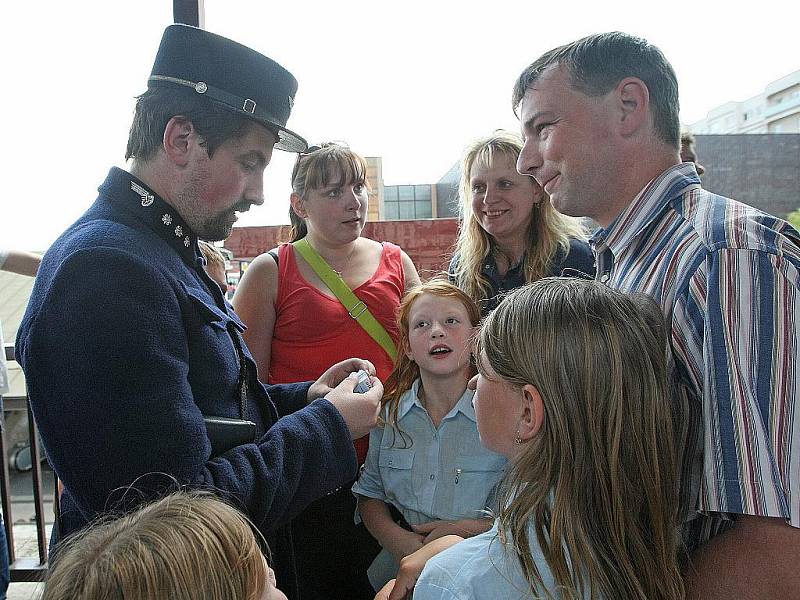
<point>355,307</point>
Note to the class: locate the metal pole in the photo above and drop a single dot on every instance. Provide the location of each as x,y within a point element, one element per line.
<point>189,12</point>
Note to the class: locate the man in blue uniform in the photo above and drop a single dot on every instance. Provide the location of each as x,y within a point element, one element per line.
<point>127,344</point>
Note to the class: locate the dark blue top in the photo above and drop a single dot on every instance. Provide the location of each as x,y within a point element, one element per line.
<point>127,343</point>
<point>578,262</point>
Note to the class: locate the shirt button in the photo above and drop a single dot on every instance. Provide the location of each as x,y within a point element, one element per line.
<point>604,278</point>
<point>433,476</point>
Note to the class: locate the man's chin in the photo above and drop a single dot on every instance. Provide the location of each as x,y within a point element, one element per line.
<point>215,232</point>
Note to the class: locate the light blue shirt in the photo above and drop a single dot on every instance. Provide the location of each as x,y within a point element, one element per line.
<point>430,474</point>
<point>481,568</point>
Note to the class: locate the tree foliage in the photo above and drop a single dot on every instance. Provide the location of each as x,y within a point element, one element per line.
<point>794,218</point>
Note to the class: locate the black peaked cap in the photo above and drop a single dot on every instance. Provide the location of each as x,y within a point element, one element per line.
<point>231,75</point>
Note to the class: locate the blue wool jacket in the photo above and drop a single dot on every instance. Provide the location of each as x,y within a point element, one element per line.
<point>127,343</point>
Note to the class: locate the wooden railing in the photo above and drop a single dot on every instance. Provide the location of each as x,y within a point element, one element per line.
<point>23,569</point>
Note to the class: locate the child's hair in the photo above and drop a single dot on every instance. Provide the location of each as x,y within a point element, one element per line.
<point>187,545</point>
<point>599,482</point>
<point>319,166</point>
<point>406,370</point>
<point>214,260</point>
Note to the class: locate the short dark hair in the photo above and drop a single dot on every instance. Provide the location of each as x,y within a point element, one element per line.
<point>158,105</point>
<point>599,62</point>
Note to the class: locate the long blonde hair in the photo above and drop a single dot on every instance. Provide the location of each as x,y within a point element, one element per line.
<point>406,371</point>
<point>185,546</point>
<point>548,232</point>
<point>599,482</point>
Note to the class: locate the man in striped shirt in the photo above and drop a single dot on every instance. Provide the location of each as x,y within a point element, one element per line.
<point>602,136</point>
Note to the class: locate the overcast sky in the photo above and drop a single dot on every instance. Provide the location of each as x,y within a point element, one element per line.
<point>412,81</point>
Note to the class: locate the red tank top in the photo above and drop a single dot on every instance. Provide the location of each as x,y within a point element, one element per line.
<point>313,331</point>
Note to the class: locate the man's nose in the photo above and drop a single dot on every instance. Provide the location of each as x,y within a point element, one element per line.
<point>255,189</point>
<point>530,158</point>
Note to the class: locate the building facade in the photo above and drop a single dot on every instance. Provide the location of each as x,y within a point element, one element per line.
<point>775,110</point>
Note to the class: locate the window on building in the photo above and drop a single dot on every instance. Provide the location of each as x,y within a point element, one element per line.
<point>422,208</point>
<point>407,202</point>
<point>391,211</point>
<point>406,210</point>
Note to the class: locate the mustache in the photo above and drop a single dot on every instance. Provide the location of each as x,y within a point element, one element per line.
<point>242,206</point>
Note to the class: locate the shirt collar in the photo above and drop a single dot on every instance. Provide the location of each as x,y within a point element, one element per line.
<point>648,204</point>
<point>411,399</point>
<point>136,199</point>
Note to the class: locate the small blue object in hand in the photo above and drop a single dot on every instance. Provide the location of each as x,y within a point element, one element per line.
<point>364,384</point>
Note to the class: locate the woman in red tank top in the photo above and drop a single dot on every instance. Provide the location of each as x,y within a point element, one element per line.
<point>297,328</point>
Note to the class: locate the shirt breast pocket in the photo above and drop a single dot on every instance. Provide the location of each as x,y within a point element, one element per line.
<point>396,468</point>
<point>474,479</point>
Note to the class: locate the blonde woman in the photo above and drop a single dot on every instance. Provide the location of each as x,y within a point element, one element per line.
<point>297,328</point>
<point>510,234</point>
<point>186,546</point>
<point>572,388</point>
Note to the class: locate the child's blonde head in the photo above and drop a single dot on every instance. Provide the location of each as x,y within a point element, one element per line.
<point>599,481</point>
<point>185,546</point>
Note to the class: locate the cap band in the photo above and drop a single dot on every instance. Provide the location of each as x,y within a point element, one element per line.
<point>245,105</point>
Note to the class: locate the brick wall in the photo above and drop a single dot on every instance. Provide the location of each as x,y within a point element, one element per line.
<point>762,170</point>
<point>428,242</point>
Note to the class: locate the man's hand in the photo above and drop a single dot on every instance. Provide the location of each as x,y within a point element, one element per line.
<point>336,374</point>
<point>359,411</point>
<point>411,568</point>
<point>462,528</point>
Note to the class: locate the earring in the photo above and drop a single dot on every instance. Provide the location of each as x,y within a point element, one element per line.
<point>517,438</point>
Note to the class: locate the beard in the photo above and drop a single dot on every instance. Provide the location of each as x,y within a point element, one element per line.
<point>211,227</point>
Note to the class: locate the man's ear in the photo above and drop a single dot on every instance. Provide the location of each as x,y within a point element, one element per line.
<point>298,205</point>
<point>633,99</point>
<point>532,417</point>
<point>179,138</point>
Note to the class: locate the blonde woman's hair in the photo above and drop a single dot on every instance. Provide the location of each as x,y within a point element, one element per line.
<point>548,232</point>
<point>407,370</point>
<point>323,165</point>
<point>185,546</point>
<point>599,482</point>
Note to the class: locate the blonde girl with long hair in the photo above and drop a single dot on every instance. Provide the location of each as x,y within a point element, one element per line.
<point>426,475</point>
<point>572,388</point>
<point>185,546</point>
<point>509,234</point>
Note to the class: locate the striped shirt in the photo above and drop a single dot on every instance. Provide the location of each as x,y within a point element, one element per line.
<point>728,279</point>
